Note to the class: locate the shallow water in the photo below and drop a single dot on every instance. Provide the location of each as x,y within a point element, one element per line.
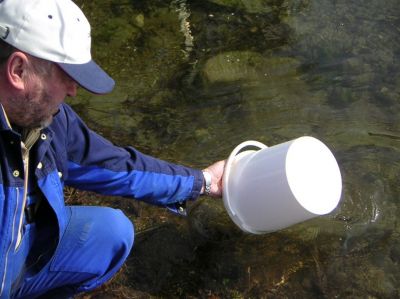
<point>196,78</point>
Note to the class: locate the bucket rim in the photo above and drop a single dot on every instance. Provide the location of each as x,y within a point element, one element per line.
<point>225,181</point>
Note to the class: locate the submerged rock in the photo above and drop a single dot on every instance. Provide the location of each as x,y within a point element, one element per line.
<point>246,66</point>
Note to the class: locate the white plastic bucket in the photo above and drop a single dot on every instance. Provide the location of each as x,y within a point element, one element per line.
<point>275,187</point>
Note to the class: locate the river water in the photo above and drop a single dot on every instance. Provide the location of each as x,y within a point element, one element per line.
<point>196,78</point>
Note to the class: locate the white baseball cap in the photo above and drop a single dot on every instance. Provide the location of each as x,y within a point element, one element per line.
<point>57,31</point>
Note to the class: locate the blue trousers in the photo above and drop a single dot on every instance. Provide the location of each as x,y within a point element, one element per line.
<point>94,246</point>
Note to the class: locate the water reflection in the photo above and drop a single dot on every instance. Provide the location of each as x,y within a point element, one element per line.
<point>195,78</point>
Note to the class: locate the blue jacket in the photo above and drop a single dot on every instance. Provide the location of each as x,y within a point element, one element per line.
<point>68,153</point>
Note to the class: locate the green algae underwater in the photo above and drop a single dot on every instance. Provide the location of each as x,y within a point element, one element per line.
<point>196,78</point>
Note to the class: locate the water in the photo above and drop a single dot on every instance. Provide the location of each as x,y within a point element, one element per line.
<point>196,78</point>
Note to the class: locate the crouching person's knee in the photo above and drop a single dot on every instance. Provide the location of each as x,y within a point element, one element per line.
<point>114,234</point>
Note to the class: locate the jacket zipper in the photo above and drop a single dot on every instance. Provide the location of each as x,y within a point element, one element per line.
<point>11,243</point>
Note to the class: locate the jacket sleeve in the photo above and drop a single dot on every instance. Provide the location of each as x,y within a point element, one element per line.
<point>95,164</point>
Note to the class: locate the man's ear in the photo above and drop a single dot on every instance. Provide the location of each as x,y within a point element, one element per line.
<point>17,65</point>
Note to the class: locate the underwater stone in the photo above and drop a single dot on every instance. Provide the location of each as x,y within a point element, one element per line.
<point>139,20</point>
<point>246,66</point>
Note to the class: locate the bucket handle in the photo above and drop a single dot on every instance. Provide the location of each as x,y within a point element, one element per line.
<point>228,166</point>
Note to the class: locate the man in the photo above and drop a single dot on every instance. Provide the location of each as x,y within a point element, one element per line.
<point>47,249</point>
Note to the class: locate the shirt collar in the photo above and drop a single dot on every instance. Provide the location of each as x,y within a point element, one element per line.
<point>4,122</point>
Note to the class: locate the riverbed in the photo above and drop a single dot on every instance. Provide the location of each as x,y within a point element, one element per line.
<point>196,78</point>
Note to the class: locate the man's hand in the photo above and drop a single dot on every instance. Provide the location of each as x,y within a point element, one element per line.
<point>216,171</point>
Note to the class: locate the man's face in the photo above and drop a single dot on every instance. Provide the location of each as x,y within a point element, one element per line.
<point>44,93</point>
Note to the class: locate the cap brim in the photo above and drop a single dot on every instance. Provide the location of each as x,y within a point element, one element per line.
<point>90,76</point>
